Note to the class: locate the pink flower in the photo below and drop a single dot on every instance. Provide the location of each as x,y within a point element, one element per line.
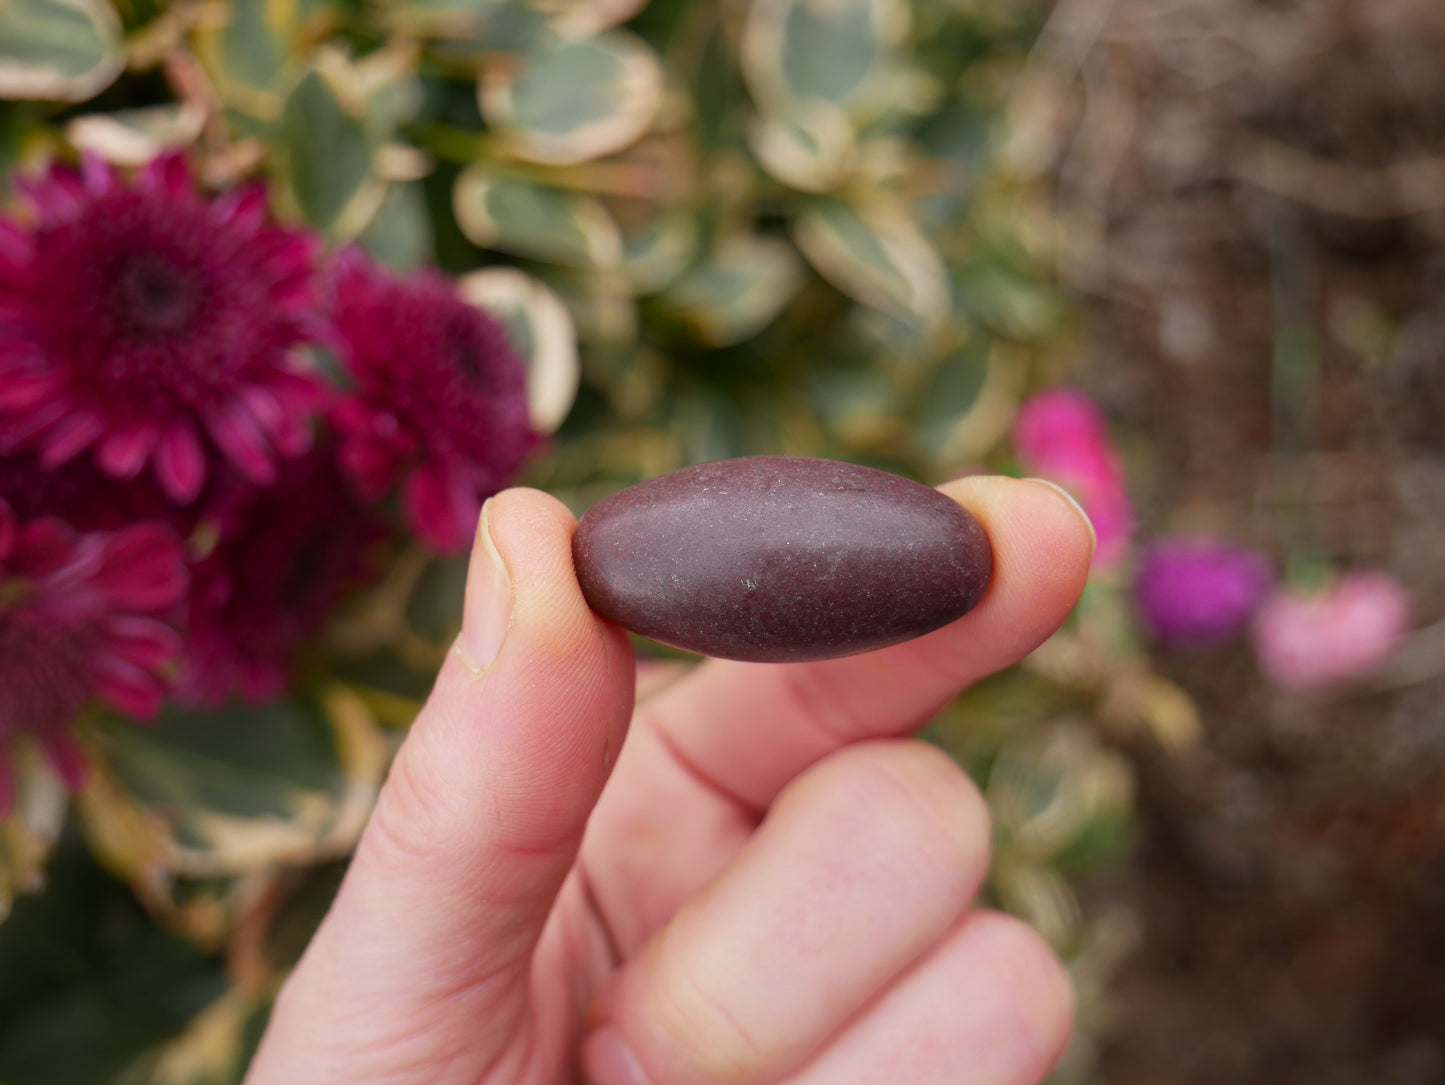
<point>284,556</point>
<point>1311,641</point>
<point>81,615</point>
<point>1060,435</point>
<point>439,399</point>
<point>1198,590</point>
<point>153,328</point>
<point>77,493</point>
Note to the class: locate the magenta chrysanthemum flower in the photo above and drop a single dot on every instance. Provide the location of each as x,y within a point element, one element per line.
<point>80,495</point>
<point>1061,435</point>
<point>80,615</point>
<point>1310,641</point>
<point>1198,590</point>
<point>149,326</point>
<point>284,557</point>
<point>439,398</point>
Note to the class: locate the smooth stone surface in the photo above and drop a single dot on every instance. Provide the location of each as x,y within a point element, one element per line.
<point>781,558</point>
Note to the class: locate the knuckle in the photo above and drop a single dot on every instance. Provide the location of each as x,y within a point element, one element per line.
<point>702,1032</point>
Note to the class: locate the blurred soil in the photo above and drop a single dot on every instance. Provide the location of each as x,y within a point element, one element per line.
<point>1252,197</point>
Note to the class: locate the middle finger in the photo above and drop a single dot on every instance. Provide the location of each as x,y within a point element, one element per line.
<point>862,865</point>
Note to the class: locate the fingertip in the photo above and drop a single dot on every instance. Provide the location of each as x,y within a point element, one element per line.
<point>533,532</point>
<point>1042,542</point>
<point>1033,983</point>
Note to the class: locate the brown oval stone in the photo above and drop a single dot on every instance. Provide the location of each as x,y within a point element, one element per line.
<point>781,558</point>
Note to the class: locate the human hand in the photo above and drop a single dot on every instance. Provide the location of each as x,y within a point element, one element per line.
<point>774,885</point>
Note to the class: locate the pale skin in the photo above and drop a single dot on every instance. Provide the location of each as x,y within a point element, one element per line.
<point>769,881</point>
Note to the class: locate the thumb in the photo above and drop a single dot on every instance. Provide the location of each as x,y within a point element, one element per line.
<point>420,970</point>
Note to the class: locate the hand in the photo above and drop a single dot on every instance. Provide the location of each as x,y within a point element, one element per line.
<point>774,885</point>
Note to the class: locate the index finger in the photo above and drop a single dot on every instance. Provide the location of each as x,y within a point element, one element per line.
<point>747,729</point>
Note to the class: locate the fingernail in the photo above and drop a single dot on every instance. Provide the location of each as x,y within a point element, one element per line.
<point>607,1060</point>
<point>487,610</point>
<point>1072,500</point>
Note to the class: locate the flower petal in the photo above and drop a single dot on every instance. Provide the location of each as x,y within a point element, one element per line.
<point>134,691</point>
<point>123,452</point>
<point>41,548</point>
<point>439,505</point>
<point>22,429</point>
<point>235,431</point>
<point>168,174</point>
<point>96,174</point>
<point>7,529</point>
<point>180,462</point>
<point>142,642</point>
<point>142,568</point>
<point>65,754</point>
<point>71,436</point>
<point>22,391</point>
<point>243,208</point>
<point>287,423</point>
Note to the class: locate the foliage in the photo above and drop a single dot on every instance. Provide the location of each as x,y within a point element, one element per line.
<point>711,229</point>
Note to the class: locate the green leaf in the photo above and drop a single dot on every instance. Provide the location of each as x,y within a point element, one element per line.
<point>470,32</point>
<point>1014,304</point>
<point>532,220</point>
<point>87,981</point>
<point>401,233</point>
<point>836,51</point>
<point>575,100</point>
<point>59,50</point>
<point>328,157</point>
<point>540,330</point>
<point>813,149</point>
<point>246,56</point>
<point>434,609</point>
<point>876,254</point>
<point>738,289</point>
<point>945,409</point>
<point>655,255</point>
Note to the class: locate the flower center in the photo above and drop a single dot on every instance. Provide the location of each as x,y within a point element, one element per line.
<point>155,296</point>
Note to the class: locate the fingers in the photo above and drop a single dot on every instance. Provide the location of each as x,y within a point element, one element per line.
<point>426,950</point>
<point>749,728</point>
<point>711,750</point>
<point>861,867</point>
<point>990,1006</point>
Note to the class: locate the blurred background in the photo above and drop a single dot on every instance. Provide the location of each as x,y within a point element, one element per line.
<point>1187,257</point>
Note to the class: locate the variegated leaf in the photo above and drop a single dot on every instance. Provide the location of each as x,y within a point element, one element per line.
<point>535,221</point>
<point>654,256</point>
<point>541,330</point>
<point>876,254</point>
<point>738,289</point>
<point>240,790</point>
<point>328,158</point>
<point>583,18</point>
<point>400,234</point>
<point>574,100</point>
<point>812,149</point>
<point>130,137</point>
<point>246,55</point>
<point>836,51</point>
<point>59,50</point>
<point>29,832</point>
